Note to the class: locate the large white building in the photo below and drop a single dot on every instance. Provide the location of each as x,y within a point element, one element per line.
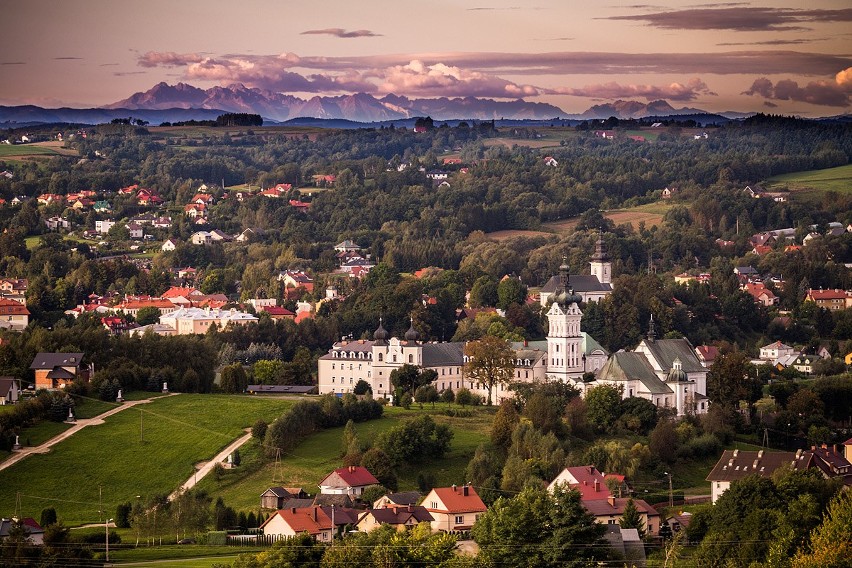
<point>566,355</point>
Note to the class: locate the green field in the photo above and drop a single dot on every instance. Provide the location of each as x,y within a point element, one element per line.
<point>178,431</point>
<point>189,556</point>
<point>25,150</point>
<point>832,179</point>
<point>320,453</point>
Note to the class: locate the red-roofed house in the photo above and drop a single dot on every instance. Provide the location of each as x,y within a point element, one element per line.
<point>195,210</point>
<point>761,250</point>
<point>278,312</point>
<point>761,294</point>
<point>454,508</point>
<point>13,315</point>
<point>296,279</point>
<point>833,300</point>
<point>707,354</point>
<point>148,197</point>
<point>291,522</point>
<point>350,480</point>
<point>299,205</point>
<point>133,307</point>
<point>832,463</point>
<point>584,478</point>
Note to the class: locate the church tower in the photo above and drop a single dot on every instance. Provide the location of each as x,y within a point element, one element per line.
<point>600,263</point>
<point>565,359</point>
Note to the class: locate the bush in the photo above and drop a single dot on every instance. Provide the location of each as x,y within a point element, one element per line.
<point>258,431</point>
<point>464,397</point>
<point>701,446</point>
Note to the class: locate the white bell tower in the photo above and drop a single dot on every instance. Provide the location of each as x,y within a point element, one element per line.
<point>565,357</point>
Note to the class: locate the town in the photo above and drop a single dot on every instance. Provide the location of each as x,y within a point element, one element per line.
<point>320,344</point>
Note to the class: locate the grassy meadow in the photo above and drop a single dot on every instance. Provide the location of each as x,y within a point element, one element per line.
<point>179,431</point>
<point>832,179</point>
<point>320,453</point>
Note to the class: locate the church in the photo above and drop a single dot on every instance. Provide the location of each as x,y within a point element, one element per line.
<point>667,371</point>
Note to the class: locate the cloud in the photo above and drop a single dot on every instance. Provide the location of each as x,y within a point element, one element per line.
<point>738,18</point>
<point>769,104</point>
<point>439,79</point>
<point>168,59</point>
<point>340,32</point>
<point>837,93</point>
<point>123,73</point>
<point>692,90</point>
<point>108,64</point>
<point>67,58</point>
<point>774,42</point>
<point>13,63</point>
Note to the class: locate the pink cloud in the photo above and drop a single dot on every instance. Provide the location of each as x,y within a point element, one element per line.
<point>739,18</point>
<point>439,79</point>
<point>693,89</point>
<point>837,93</point>
<point>168,59</point>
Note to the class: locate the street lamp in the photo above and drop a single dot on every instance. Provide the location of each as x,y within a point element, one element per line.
<point>671,493</point>
<point>106,538</point>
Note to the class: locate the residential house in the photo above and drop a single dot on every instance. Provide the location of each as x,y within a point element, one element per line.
<point>276,497</point>
<point>357,266</point>
<point>761,294</point>
<point>775,351</point>
<point>55,223</point>
<point>10,390</point>
<point>669,192</point>
<point>350,480</point>
<point>56,370</point>
<point>454,508</point>
<point>104,226</point>
<point>550,161</point>
<point>278,312</point>
<point>13,315</point>
<point>346,246</point>
<point>298,205</point>
<point>201,238</point>
<point>805,363</point>
<point>707,354</point>
<point>834,300</point>
<point>102,206</point>
<point>754,191</point>
<point>293,279</point>
<point>745,274</point>
<point>399,517</point>
<point>829,461</point>
<point>169,245</point>
<point>294,521</point>
<point>14,289</point>
<point>610,510</point>
<point>132,307</point>
<point>35,534</point>
<point>136,231</point>
<point>148,198</point>
<point>195,210</point>
<point>738,464</point>
<point>586,479</point>
<point>323,180</point>
<point>400,499</point>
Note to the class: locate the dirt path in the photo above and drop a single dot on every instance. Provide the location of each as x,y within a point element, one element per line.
<point>79,425</point>
<point>206,467</point>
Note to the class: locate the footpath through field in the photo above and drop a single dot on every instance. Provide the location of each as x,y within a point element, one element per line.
<point>79,425</point>
<point>207,467</point>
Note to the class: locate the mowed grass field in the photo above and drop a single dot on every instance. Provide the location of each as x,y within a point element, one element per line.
<point>832,179</point>
<point>178,431</point>
<point>49,148</point>
<point>651,213</point>
<point>318,455</point>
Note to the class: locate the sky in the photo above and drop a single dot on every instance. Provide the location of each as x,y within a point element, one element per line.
<point>788,57</point>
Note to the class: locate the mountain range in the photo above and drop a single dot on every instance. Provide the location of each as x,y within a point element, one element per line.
<point>179,102</point>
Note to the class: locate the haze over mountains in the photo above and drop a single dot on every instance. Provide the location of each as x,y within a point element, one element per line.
<point>182,101</point>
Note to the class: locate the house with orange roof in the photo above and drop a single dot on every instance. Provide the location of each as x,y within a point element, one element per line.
<point>195,210</point>
<point>291,522</point>
<point>133,307</point>
<point>761,294</point>
<point>454,508</point>
<point>13,315</point>
<point>707,354</point>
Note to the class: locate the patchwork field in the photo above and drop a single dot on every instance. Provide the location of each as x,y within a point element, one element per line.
<point>178,432</point>
<point>651,213</point>
<point>36,149</point>
<point>832,179</point>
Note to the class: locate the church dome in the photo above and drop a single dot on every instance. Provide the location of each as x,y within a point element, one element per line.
<point>381,334</point>
<point>676,374</point>
<point>566,296</point>
<point>411,334</point>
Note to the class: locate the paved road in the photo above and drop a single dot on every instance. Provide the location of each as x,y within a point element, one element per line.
<point>207,467</point>
<point>79,425</point>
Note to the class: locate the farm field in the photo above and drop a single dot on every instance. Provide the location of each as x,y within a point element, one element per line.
<point>49,148</point>
<point>311,460</point>
<point>651,213</point>
<point>178,431</point>
<point>832,179</point>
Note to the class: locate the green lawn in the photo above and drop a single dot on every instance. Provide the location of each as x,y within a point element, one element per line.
<point>320,453</point>
<point>24,150</point>
<point>42,432</point>
<point>832,179</point>
<point>178,555</point>
<point>178,431</point>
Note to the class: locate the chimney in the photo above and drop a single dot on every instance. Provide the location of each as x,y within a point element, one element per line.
<point>611,500</point>
<point>315,513</point>
<point>294,510</point>
<point>597,485</point>
<point>465,490</point>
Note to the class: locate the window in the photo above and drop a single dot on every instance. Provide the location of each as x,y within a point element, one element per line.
<point>381,357</point>
<point>459,519</point>
<point>394,358</point>
<point>332,366</point>
<point>410,358</point>
<point>434,504</point>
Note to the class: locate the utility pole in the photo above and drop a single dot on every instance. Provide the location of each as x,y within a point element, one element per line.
<point>671,492</point>
<point>141,434</point>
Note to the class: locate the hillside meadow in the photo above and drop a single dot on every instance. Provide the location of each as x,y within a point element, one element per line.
<point>178,431</point>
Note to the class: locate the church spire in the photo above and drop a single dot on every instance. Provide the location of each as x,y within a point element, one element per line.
<point>652,333</point>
